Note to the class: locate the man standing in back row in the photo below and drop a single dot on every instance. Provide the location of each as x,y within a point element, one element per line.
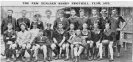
<point>62,20</point>
<point>8,19</point>
<point>83,19</point>
<point>74,19</point>
<point>23,19</point>
<point>94,18</point>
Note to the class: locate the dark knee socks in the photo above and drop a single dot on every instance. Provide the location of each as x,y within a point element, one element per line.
<point>106,50</point>
<point>118,48</point>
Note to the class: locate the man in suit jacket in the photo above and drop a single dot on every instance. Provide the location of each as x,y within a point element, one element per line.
<point>23,19</point>
<point>8,19</point>
<point>62,20</point>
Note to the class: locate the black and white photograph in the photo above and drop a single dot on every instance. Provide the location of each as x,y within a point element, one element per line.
<point>66,31</point>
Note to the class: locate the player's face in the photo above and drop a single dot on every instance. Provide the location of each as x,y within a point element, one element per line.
<point>24,13</point>
<point>104,13</point>
<point>9,26</point>
<point>94,12</point>
<point>37,18</point>
<point>114,12</point>
<point>71,26</point>
<point>82,13</point>
<point>84,25</point>
<point>78,32</point>
<point>60,15</point>
<point>48,13</point>
<point>95,25</point>
<point>40,33</point>
<point>9,13</point>
<point>73,12</point>
<point>34,26</point>
<point>60,26</point>
<point>48,27</point>
<point>22,27</point>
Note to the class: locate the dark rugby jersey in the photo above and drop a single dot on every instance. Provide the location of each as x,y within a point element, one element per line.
<point>9,36</point>
<point>69,33</point>
<point>87,34</point>
<point>82,20</point>
<point>64,21</point>
<point>39,25</point>
<point>94,20</point>
<point>75,21</point>
<point>108,35</point>
<point>115,22</point>
<point>103,22</point>
<point>96,35</point>
<point>49,33</point>
<point>58,35</point>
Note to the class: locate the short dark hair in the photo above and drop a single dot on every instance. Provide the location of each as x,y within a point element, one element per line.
<point>81,10</point>
<point>94,9</point>
<point>48,24</point>
<point>37,15</point>
<point>114,9</point>
<point>73,10</point>
<point>22,24</point>
<point>10,10</point>
<point>34,23</point>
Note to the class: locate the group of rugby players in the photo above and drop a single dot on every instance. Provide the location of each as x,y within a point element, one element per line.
<point>73,38</point>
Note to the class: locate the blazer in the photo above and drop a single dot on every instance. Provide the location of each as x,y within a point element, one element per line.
<point>5,21</point>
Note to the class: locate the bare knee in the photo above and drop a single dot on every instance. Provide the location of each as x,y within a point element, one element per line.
<point>91,44</point>
<point>67,45</point>
<point>63,46</point>
<point>28,46</point>
<point>37,47</point>
<point>53,46</point>
<point>23,46</point>
<point>72,46</point>
<point>44,47</point>
<point>13,46</point>
<point>110,44</point>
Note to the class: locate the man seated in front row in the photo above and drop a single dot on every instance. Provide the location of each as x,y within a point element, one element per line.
<point>41,42</point>
<point>9,37</point>
<point>23,43</point>
<point>78,45</point>
<point>107,39</point>
<point>59,39</point>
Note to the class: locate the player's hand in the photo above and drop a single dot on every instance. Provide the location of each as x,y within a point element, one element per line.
<point>7,37</point>
<point>60,44</point>
<point>13,36</point>
<point>9,42</point>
